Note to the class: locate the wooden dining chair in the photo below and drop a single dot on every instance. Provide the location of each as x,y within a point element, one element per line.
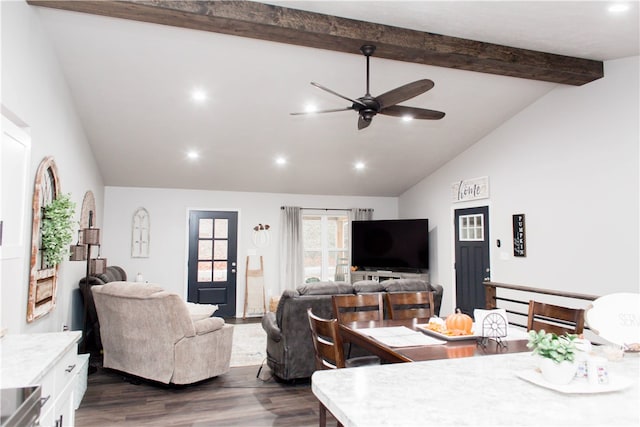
<point>353,308</point>
<point>555,318</point>
<point>409,305</point>
<point>329,351</point>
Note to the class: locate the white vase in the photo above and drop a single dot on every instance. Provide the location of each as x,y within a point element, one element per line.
<point>557,373</point>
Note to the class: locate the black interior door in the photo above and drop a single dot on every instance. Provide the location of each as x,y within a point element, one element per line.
<point>472,257</point>
<point>213,259</point>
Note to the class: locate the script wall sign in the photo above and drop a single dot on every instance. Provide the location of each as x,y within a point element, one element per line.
<point>470,189</point>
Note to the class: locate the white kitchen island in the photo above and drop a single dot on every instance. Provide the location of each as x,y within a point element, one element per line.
<point>474,391</point>
<point>49,360</point>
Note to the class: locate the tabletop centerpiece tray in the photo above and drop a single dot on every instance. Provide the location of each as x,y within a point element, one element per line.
<point>577,385</point>
<point>423,327</point>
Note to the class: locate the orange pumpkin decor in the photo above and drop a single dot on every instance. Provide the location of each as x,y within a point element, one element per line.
<point>459,321</point>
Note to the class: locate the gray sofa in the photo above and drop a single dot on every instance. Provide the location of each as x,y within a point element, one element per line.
<point>290,353</point>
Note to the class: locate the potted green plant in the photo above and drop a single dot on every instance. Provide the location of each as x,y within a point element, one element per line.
<point>557,355</point>
<point>57,229</point>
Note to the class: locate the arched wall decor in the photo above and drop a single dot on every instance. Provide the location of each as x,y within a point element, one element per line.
<point>140,234</point>
<point>88,209</point>
<point>42,278</point>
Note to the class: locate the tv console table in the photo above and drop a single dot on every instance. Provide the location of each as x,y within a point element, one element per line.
<point>380,276</point>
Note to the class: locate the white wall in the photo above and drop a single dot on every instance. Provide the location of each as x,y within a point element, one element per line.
<point>570,163</point>
<point>34,90</point>
<point>168,212</point>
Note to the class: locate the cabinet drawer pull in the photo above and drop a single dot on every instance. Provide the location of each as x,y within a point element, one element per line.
<point>44,400</point>
<point>70,368</point>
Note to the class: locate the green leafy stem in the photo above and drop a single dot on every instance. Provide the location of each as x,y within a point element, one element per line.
<point>552,346</point>
<point>57,229</point>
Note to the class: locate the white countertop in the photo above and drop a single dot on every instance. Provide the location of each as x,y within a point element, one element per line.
<point>24,359</point>
<point>481,390</point>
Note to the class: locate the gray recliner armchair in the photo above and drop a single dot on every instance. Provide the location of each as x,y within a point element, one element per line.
<point>150,333</point>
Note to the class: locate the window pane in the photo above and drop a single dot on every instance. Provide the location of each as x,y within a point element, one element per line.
<point>220,249</point>
<point>312,232</point>
<point>220,271</point>
<point>338,266</point>
<point>312,265</point>
<point>222,228</point>
<point>204,272</point>
<point>332,232</point>
<point>205,228</point>
<point>326,239</point>
<point>204,249</point>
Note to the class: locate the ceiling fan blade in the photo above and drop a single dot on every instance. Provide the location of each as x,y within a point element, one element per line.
<point>333,110</point>
<point>413,112</point>
<point>353,101</point>
<point>402,93</point>
<point>362,123</point>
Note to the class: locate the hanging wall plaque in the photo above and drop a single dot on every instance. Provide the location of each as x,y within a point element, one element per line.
<point>519,237</point>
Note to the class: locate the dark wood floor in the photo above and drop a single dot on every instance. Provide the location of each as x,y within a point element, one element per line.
<point>237,398</point>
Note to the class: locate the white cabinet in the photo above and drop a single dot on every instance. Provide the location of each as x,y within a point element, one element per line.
<point>380,276</point>
<point>49,360</point>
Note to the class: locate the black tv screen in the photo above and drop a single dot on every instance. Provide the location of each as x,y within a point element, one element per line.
<point>398,244</point>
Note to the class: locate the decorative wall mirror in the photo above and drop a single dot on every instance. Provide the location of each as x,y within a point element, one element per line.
<point>140,234</point>
<point>42,278</point>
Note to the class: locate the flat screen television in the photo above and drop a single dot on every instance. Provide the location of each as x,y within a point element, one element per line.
<point>396,245</point>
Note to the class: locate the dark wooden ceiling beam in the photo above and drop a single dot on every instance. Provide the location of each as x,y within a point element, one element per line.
<point>284,25</point>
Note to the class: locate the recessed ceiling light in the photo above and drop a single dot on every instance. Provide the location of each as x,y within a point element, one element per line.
<point>199,95</point>
<point>310,108</point>
<point>193,155</point>
<point>407,118</point>
<point>359,166</point>
<point>618,8</point>
<point>281,161</point>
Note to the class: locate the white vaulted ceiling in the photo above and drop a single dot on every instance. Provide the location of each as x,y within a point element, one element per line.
<point>131,82</point>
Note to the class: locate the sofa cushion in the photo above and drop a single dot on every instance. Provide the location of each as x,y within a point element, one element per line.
<point>405,285</point>
<point>367,286</point>
<point>325,288</point>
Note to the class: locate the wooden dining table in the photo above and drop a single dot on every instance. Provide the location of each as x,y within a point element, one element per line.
<point>357,334</point>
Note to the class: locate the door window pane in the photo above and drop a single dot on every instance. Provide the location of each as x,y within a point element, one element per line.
<point>471,228</point>
<point>222,228</point>
<point>220,271</point>
<point>220,249</point>
<point>205,228</point>
<point>204,272</point>
<point>204,250</point>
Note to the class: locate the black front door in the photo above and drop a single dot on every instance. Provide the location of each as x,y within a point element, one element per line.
<point>472,257</point>
<point>212,259</point>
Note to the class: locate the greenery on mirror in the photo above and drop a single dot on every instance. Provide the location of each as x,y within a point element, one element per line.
<point>552,346</point>
<point>57,229</point>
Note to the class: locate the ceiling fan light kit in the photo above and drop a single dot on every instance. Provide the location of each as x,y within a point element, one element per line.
<point>368,106</point>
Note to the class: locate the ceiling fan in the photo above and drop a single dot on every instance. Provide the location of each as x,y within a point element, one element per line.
<point>368,106</point>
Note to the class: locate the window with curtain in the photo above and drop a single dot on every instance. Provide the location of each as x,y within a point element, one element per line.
<point>326,238</point>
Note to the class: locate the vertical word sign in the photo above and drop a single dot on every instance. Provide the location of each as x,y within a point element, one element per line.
<point>519,242</point>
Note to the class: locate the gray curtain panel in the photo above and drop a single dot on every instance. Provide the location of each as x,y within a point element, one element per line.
<point>358,214</point>
<point>291,255</point>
